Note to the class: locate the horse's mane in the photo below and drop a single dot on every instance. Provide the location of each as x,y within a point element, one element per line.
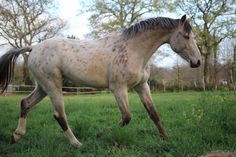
<point>154,23</point>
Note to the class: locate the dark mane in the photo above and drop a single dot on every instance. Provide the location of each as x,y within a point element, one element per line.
<point>154,23</point>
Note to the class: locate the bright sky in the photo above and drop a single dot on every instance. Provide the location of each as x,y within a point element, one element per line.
<point>77,24</point>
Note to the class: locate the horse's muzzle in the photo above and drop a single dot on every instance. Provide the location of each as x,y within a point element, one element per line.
<point>192,65</point>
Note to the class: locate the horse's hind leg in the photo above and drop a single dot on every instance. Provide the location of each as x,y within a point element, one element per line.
<point>50,79</point>
<point>51,82</point>
<point>60,115</point>
<point>26,104</point>
<point>145,95</point>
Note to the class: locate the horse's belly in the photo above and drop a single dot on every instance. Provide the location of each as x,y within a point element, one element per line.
<point>84,79</point>
<point>87,75</point>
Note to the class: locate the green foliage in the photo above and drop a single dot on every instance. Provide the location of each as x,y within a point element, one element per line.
<point>196,122</point>
<point>213,21</point>
<point>110,15</point>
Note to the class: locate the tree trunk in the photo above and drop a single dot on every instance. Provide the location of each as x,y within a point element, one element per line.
<point>232,81</point>
<point>164,85</point>
<point>206,70</point>
<point>234,66</point>
<point>203,83</point>
<point>215,71</point>
<point>178,76</point>
<point>233,71</point>
<point>182,86</point>
<point>215,66</point>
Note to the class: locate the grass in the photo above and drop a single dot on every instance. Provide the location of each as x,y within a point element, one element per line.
<point>197,123</point>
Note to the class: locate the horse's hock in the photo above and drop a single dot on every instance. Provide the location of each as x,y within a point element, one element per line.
<point>220,154</point>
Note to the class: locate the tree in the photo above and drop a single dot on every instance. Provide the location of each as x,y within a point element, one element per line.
<point>213,21</point>
<point>24,22</point>
<point>178,75</point>
<point>234,65</point>
<point>233,71</point>
<point>110,15</point>
<point>224,60</point>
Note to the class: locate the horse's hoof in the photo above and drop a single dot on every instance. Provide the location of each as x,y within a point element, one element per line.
<point>12,140</point>
<point>121,123</point>
<point>14,137</point>
<point>165,136</point>
<point>124,121</point>
<point>76,144</point>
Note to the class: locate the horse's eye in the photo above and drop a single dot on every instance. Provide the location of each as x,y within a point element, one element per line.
<point>186,36</point>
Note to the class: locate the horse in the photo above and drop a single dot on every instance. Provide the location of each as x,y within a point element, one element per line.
<point>118,61</point>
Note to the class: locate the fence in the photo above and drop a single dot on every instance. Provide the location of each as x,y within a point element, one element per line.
<point>24,89</point>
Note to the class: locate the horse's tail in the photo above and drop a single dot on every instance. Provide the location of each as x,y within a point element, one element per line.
<point>7,63</point>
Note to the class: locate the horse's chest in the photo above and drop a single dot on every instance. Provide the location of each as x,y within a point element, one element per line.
<point>129,74</point>
<point>133,78</point>
<point>120,75</point>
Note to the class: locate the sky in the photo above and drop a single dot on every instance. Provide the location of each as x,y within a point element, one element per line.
<point>78,25</point>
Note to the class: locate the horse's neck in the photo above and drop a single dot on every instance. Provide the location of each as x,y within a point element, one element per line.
<point>146,43</point>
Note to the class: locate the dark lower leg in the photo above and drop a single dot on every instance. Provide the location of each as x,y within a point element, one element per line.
<point>62,122</point>
<point>60,116</point>
<point>61,119</point>
<point>26,104</point>
<point>155,117</point>
<point>126,117</point>
<point>24,108</point>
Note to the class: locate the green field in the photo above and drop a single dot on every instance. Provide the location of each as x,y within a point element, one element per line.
<point>197,123</point>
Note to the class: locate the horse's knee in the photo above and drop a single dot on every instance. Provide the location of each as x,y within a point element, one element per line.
<point>61,120</point>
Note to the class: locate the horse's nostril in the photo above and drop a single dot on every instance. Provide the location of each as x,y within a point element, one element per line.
<point>198,62</point>
<point>195,65</point>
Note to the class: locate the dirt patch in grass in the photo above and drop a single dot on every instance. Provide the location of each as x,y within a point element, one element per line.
<point>220,154</point>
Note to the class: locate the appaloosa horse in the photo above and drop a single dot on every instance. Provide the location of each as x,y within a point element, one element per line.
<point>117,61</point>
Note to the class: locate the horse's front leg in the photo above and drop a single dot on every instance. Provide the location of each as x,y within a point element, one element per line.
<point>144,93</point>
<point>121,95</point>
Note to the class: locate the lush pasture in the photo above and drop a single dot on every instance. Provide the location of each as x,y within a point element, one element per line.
<point>196,122</point>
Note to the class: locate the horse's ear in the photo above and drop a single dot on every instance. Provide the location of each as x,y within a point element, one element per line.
<point>190,20</point>
<point>183,19</point>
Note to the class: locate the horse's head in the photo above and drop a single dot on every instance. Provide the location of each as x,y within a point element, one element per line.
<point>183,43</point>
